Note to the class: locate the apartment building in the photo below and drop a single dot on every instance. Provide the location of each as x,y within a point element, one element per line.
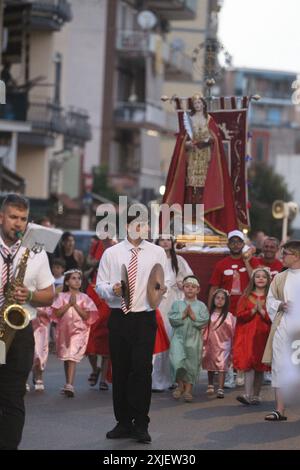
<point>45,132</point>
<point>273,120</point>
<point>126,64</point>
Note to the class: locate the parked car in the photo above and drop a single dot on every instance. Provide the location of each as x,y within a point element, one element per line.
<point>83,240</point>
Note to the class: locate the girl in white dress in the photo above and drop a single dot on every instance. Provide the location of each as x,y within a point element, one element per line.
<point>178,269</point>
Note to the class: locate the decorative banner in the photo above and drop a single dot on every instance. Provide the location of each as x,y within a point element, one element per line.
<point>231,116</point>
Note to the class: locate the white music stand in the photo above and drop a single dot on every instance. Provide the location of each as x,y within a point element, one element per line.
<point>38,237</point>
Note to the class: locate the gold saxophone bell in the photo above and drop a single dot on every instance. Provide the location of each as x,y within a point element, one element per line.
<point>16,317</point>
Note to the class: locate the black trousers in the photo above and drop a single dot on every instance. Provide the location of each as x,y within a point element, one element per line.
<point>131,342</point>
<point>13,377</point>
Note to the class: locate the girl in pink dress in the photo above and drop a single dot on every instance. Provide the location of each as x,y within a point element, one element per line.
<point>218,340</point>
<point>41,348</point>
<point>74,313</point>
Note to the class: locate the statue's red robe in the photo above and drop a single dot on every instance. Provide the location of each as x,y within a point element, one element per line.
<point>219,207</point>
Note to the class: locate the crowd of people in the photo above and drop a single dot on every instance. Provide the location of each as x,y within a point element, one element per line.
<point>242,332</point>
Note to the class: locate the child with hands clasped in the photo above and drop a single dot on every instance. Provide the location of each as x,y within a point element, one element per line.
<point>74,313</point>
<point>251,334</point>
<point>218,341</point>
<point>187,317</point>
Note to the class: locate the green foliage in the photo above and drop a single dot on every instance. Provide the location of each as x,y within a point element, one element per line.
<point>266,186</point>
<point>101,184</point>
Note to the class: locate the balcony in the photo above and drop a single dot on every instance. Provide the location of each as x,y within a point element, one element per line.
<point>36,15</point>
<point>137,43</point>
<point>78,129</point>
<point>140,115</point>
<point>46,120</point>
<point>173,9</point>
<point>179,66</point>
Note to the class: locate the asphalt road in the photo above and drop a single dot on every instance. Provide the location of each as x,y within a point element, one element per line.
<point>54,422</point>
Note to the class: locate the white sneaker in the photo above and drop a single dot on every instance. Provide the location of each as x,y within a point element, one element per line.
<point>229,384</point>
<point>39,386</point>
<point>229,379</point>
<point>267,378</point>
<point>27,387</point>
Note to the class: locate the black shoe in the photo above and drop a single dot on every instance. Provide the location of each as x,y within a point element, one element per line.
<point>142,436</point>
<point>119,432</point>
<point>157,390</point>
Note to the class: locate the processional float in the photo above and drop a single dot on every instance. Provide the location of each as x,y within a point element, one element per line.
<point>229,113</point>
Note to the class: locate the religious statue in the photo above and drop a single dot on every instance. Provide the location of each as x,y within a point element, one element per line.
<point>198,172</point>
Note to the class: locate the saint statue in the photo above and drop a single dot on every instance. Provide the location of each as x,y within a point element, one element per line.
<point>198,172</point>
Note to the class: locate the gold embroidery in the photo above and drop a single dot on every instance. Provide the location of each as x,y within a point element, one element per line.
<point>198,159</point>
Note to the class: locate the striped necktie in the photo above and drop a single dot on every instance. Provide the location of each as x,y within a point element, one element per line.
<point>132,273</point>
<point>7,268</point>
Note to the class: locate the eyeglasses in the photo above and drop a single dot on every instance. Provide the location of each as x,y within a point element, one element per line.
<point>236,242</point>
<point>286,253</point>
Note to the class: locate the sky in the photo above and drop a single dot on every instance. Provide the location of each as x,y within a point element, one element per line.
<point>262,33</point>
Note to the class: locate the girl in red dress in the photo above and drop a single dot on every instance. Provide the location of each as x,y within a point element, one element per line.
<point>98,339</point>
<point>251,334</point>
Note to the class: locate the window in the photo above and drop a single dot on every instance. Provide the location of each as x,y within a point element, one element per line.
<point>274,116</point>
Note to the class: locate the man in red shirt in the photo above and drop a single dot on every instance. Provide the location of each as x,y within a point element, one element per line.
<point>268,258</point>
<point>233,272</point>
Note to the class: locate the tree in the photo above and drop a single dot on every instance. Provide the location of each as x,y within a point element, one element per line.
<point>265,186</point>
<point>101,185</point>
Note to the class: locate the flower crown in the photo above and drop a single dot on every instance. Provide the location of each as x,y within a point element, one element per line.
<point>261,268</point>
<point>222,290</point>
<point>191,280</point>
<point>72,271</point>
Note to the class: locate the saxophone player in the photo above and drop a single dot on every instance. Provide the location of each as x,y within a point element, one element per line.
<point>37,291</point>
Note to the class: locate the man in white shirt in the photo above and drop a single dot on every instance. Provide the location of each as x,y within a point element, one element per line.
<point>132,333</point>
<point>282,298</point>
<point>37,291</point>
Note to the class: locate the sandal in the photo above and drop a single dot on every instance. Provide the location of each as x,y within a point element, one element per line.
<point>39,386</point>
<point>69,390</point>
<point>177,393</point>
<point>220,393</point>
<point>255,400</point>
<point>103,386</point>
<point>210,390</point>
<point>275,416</point>
<point>243,399</point>
<point>94,376</point>
<point>188,397</point>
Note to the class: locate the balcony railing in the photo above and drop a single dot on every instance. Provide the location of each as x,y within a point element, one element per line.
<point>173,9</point>
<point>139,42</point>
<point>49,14</point>
<point>78,128</point>
<point>179,66</point>
<point>140,115</point>
<point>37,14</point>
<point>46,117</point>
<point>134,41</point>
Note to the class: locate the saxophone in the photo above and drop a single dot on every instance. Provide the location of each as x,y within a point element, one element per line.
<point>13,316</point>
